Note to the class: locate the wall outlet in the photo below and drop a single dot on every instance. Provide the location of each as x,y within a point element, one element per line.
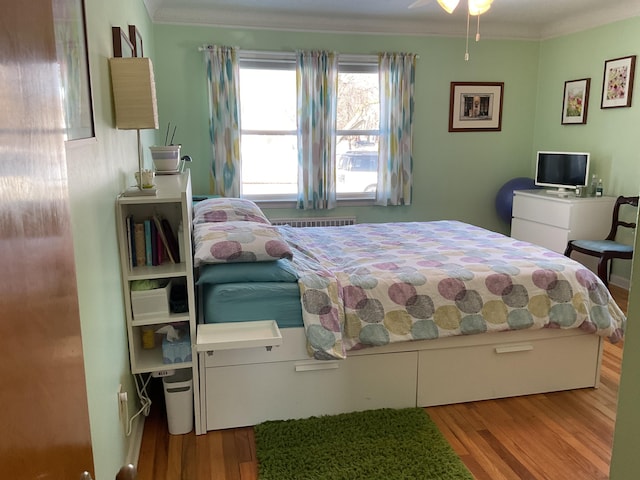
<point>122,403</point>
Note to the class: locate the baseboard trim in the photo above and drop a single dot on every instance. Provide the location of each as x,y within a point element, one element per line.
<point>619,281</point>
<point>135,440</point>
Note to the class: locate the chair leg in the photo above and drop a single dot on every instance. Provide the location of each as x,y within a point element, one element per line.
<point>568,250</point>
<point>603,271</point>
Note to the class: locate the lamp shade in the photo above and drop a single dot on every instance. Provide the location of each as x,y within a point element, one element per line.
<point>449,5</point>
<point>134,93</point>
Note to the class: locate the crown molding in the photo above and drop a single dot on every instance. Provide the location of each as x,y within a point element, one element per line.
<point>231,18</point>
<point>604,15</point>
<point>285,21</point>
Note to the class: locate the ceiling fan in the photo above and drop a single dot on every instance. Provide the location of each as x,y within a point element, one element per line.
<point>476,7</point>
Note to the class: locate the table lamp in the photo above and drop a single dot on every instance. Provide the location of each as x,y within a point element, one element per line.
<point>134,98</point>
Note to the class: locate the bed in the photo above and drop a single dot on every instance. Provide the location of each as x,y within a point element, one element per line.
<point>389,315</point>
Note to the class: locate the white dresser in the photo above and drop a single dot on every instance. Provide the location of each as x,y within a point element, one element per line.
<point>550,221</point>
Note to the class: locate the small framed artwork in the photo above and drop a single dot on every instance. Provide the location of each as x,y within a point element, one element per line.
<point>122,46</point>
<point>136,41</point>
<point>476,106</point>
<point>575,101</point>
<point>617,85</point>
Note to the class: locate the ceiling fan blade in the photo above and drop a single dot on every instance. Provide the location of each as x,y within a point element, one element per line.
<point>419,3</point>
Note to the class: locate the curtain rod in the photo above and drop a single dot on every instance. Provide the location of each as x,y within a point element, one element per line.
<point>266,53</point>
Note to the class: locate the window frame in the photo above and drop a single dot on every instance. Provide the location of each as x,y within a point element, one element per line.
<point>347,63</point>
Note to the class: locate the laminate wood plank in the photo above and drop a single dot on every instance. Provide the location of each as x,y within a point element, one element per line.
<point>202,457</point>
<point>519,469</point>
<point>445,429</point>
<point>553,436</point>
<point>249,468</point>
<point>493,466</point>
<point>578,451</point>
<point>174,458</point>
<point>231,454</point>
<point>189,458</point>
<point>148,450</point>
<point>216,455</point>
<point>500,422</point>
<point>574,427</point>
<point>161,463</point>
<point>463,438</point>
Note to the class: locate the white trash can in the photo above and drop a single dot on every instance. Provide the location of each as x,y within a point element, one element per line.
<point>178,397</point>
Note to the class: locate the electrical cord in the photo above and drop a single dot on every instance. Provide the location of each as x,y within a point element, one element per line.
<point>145,402</point>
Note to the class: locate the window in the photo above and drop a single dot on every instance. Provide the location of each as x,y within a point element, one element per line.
<point>358,128</point>
<point>268,122</point>
<point>269,127</point>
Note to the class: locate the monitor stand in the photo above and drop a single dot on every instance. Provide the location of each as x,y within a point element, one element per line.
<point>561,192</point>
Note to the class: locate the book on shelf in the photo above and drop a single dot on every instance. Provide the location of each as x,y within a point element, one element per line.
<point>148,254</point>
<point>140,248</point>
<point>154,244</point>
<point>160,248</point>
<point>151,242</point>
<point>168,240</point>
<point>131,244</point>
<point>172,241</point>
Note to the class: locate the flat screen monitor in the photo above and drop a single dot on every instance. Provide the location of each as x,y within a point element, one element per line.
<point>562,170</point>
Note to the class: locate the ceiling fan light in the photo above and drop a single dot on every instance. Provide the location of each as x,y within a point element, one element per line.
<point>448,5</point>
<point>478,7</point>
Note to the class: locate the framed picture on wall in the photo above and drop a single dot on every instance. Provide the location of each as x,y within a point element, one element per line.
<point>617,85</point>
<point>575,101</point>
<point>136,40</point>
<point>73,59</point>
<point>475,106</point>
<point>122,46</point>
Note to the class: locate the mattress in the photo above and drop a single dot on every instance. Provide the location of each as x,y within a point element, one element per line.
<point>247,301</point>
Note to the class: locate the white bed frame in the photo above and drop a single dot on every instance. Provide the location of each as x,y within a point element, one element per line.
<point>247,386</point>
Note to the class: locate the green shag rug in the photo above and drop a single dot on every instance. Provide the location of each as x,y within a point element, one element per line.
<point>386,444</point>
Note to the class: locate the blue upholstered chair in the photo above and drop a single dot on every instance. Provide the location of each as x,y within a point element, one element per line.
<point>609,248</point>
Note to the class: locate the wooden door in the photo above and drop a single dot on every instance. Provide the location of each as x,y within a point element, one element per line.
<point>44,419</point>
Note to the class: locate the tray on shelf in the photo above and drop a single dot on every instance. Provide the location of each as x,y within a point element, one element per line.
<point>226,336</point>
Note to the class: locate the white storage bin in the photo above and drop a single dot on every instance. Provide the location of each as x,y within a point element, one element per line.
<point>178,397</point>
<point>150,303</point>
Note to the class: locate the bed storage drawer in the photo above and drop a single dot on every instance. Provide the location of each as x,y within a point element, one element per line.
<point>249,394</point>
<point>506,369</point>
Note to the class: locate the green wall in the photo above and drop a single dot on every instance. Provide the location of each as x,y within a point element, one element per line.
<point>456,175</point>
<point>611,135</point>
<point>98,170</point>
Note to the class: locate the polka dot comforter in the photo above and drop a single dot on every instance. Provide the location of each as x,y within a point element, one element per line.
<point>373,284</point>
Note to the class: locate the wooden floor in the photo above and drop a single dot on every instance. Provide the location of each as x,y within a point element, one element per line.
<point>555,436</point>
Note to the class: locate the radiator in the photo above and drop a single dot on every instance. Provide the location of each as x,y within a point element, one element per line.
<point>314,222</point>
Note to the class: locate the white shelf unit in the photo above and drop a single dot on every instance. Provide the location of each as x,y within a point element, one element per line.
<point>173,202</point>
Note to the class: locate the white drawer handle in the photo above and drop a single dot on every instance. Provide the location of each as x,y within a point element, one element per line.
<point>310,367</point>
<point>514,348</point>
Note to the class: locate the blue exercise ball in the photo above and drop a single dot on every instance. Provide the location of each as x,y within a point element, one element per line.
<point>504,198</point>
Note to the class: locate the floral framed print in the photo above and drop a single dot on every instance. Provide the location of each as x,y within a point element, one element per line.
<point>617,85</point>
<point>575,101</point>
<point>476,106</point>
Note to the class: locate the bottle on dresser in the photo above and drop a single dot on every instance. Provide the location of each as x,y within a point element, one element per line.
<point>599,189</point>
<point>593,185</point>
